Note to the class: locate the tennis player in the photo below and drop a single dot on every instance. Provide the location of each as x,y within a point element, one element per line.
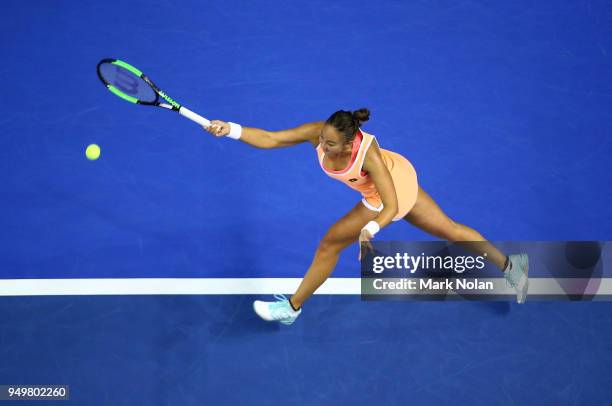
<point>388,184</point>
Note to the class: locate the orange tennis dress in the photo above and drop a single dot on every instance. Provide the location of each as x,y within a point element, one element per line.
<point>402,172</point>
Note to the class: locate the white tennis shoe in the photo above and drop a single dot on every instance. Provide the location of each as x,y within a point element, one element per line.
<point>280,310</point>
<point>517,275</point>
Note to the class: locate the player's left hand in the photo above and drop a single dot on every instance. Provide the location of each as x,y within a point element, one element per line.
<point>364,244</point>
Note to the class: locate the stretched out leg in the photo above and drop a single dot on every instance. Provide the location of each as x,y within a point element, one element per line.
<point>343,233</point>
<point>428,216</point>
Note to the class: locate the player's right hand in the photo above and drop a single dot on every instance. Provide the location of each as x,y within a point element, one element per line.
<point>365,245</point>
<point>218,128</point>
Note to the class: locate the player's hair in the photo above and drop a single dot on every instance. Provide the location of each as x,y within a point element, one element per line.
<point>347,122</point>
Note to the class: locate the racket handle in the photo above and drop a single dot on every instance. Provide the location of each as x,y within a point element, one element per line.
<point>185,112</point>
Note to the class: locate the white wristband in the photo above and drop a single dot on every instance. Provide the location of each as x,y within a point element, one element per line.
<point>372,227</point>
<point>235,131</point>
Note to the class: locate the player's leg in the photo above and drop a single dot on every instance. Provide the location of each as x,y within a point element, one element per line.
<point>343,233</point>
<point>428,216</point>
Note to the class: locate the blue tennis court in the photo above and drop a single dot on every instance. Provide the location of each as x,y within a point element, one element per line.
<point>130,278</point>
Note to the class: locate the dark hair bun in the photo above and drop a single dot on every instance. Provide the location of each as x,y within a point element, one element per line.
<point>361,115</point>
<point>347,122</point>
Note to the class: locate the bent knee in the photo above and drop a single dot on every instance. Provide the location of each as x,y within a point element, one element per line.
<point>329,245</point>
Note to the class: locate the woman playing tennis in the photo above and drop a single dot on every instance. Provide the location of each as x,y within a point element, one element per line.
<point>388,184</point>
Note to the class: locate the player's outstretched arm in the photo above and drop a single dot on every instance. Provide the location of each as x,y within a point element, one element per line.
<point>259,138</point>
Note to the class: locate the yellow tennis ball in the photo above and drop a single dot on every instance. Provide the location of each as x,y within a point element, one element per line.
<point>92,152</point>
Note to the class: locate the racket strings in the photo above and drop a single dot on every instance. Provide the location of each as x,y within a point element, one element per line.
<point>127,82</point>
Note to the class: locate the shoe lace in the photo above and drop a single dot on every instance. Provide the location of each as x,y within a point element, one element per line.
<point>280,307</point>
<point>281,298</point>
<point>509,278</point>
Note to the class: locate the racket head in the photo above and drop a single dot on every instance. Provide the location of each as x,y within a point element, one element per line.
<point>127,82</point>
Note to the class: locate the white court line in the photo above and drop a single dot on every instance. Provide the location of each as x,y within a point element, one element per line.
<point>248,286</point>
<point>169,286</point>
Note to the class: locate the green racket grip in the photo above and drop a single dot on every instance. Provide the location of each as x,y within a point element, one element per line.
<point>185,112</point>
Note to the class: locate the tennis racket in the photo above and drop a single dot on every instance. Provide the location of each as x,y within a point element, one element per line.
<point>132,85</point>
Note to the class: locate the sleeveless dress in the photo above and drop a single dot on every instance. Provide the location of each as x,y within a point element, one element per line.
<point>402,172</point>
